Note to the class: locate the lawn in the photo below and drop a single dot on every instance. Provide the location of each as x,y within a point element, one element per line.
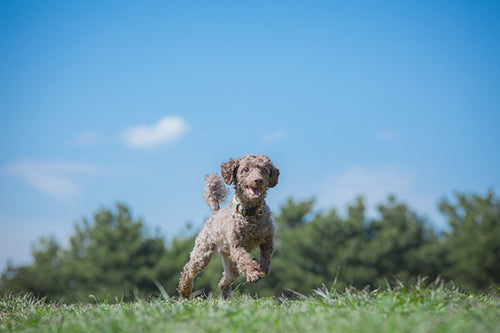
<point>398,309</point>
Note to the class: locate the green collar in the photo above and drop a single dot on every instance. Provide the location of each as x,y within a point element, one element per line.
<point>248,211</point>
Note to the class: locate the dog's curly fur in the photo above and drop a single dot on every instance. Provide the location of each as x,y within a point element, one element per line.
<point>229,232</point>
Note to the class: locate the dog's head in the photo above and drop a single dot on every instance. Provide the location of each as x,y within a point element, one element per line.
<point>251,175</point>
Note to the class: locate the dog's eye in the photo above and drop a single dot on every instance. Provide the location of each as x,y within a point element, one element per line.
<point>246,169</point>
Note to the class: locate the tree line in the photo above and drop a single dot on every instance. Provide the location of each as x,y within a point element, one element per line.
<point>113,256</point>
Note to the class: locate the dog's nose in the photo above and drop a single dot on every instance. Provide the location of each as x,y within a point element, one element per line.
<point>258,181</point>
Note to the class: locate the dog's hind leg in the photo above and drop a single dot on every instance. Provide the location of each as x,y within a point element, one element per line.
<point>230,274</point>
<point>199,259</point>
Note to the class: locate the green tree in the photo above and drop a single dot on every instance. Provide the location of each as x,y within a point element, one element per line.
<point>308,248</point>
<point>354,250</point>
<point>293,214</point>
<point>110,257</point>
<point>113,256</point>
<point>42,277</point>
<point>473,241</point>
<point>400,244</point>
<point>290,265</point>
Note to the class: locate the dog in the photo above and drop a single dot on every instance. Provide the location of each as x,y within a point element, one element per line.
<point>237,229</point>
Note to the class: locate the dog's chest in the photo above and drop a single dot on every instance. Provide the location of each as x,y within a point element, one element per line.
<point>251,233</point>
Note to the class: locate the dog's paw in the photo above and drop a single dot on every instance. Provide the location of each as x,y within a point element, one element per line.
<point>255,276</point>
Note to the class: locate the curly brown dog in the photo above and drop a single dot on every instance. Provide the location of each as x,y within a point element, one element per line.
<point>237,229</point>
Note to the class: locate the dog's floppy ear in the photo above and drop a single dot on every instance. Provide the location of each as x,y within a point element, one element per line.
<point>228,170</point>
<point>273,176</point>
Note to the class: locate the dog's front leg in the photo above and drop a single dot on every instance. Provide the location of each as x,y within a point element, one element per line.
<point>266,251</point>
<point>246,264</point>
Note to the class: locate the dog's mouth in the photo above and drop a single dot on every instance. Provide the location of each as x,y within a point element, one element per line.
<point>253,192</point>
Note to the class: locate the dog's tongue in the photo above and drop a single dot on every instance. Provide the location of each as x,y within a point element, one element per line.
<point>254,191</point>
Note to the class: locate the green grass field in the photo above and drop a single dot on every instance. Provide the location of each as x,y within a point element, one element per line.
<point>399,309</point>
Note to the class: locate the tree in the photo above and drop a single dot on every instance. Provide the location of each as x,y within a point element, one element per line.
<point>312,252</point>
<point>352,250</point>
<point>42,277</point>
<point>400,244</point>
<point>473,246</point>
<point>111,257</point>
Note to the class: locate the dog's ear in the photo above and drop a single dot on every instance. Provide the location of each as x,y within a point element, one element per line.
<point>273,176</point>
<point>228,170</point>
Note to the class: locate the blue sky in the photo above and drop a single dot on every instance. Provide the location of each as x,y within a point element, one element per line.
<point>134,102</point>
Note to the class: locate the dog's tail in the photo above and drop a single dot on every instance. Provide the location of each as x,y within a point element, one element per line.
<point>214,192</point>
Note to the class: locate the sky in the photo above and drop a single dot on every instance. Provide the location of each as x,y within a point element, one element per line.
<point>106,102</point>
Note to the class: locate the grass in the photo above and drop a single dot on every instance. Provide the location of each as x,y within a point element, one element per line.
<point>418,308</point>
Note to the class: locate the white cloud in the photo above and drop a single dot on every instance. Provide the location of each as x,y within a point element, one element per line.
<point>375,185</point>
<point>165,131</point>
<point>274,136</point>
<point>53,178</point>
